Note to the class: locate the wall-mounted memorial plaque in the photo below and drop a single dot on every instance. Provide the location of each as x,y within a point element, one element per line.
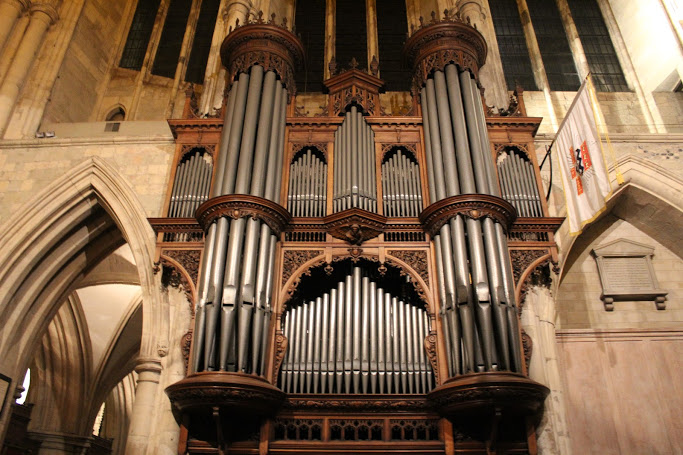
<point>626,273</point>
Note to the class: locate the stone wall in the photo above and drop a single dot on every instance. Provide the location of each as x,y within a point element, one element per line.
<point>145,162</point>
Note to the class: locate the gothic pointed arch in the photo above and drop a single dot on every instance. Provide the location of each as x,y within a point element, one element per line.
<point>55,239</point>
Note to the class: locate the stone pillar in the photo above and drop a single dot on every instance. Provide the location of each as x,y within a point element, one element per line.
<point>213,64</point>
<point>538,321</point>
<point>10,10</point>
<point>233,11</point>
<point>42,16</point>
<point>149,372</point>
<point>371,25</point>
<point>55,443</point>
<point>536,60</point>
<point>12,44</point>
<point>573,38</point>
<point>491,74</point>
<point>330,35</point>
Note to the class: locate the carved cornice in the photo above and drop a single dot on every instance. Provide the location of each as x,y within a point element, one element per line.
<point>438,44</point>
<point>524,124</point>
<point>174,225</point>
<point>544,224</point>
<point>473,206</point>
<point>271,46</point>
<point>237,206</point>
<point>179,127</point>
<point>357,403</point>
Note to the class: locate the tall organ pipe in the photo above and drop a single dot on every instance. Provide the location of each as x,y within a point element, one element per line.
<point>239,254</point>
<point>354,164</point>
<point>455,138</point>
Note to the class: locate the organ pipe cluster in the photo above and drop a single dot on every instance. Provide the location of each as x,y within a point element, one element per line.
<point>401,191</point>
<point>307,195</point>
<point>478,311</point>
<point>518,183</point>
<point>192,183</point>
<point>356,338</point>
<point>233,309</point>
<point>355,183</point>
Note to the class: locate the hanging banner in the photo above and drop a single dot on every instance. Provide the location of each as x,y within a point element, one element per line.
<point>582,163</point>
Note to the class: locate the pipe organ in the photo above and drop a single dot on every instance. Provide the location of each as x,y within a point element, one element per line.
<point>317,309</point>
<point>354,172</point>
<point>401,187</point>
<point>518,182</point>
<point>307,195</point>
<point>356,338</point>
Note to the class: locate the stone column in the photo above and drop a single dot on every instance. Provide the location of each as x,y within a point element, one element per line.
<point>233,11</point>
<point>330,35</point>
<point>491,75</point>
<point>12,44</point>
<point>10,10</point>
<point>149,372</point>
<point>573,38</point>
<point>42,16</point>
<point>213,64</point>
<point>536,60</point>
<point>538,321</point>
<point>371,25</point>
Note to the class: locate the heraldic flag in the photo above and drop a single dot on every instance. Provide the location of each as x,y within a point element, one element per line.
<point>581,161</point>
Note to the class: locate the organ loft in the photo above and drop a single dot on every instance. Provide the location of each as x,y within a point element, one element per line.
<point>356,292</point>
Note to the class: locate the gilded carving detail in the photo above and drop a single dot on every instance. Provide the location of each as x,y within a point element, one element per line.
<point>293,259</point>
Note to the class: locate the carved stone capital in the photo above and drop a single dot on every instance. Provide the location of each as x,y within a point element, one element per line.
<point>475,206</point>
<point>47,9</point>
<point>271,46</point>
<point>237,206</point>
<point>438,44</point>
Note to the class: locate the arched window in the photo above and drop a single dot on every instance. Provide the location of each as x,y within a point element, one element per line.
<point>139,34</point>
<point>116,115</point>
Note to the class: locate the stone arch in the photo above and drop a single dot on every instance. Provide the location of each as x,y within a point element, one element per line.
<point>54,240</point>
<point>646,184</point>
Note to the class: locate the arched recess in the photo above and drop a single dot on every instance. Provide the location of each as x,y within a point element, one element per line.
<point>653,193</point>
<point>54,240</point>
<point>118,408</point>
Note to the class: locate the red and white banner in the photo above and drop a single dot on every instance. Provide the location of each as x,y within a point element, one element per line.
<point>582,163</point>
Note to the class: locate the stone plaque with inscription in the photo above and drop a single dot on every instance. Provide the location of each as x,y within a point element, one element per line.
<point>626,273</point>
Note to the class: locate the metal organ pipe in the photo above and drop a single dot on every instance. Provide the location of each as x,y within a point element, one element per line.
<point>385,353</point>
<point>233,310</point>
<point>472,258</point>
<point>354,164</point>
<point>308,184</point>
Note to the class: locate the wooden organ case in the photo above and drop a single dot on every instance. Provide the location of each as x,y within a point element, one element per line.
<point>356,278</point>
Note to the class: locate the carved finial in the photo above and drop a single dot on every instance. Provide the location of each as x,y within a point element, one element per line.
<point>374,66</point>
<point>259,18</point>
<point>353,64</point>
<point>284,22</point>
<point>237,23</point>
<point>446,14</point>
<point>434,19</point>
<point>332,66</point>
<point>272,19</point>
<point>422,22</point>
